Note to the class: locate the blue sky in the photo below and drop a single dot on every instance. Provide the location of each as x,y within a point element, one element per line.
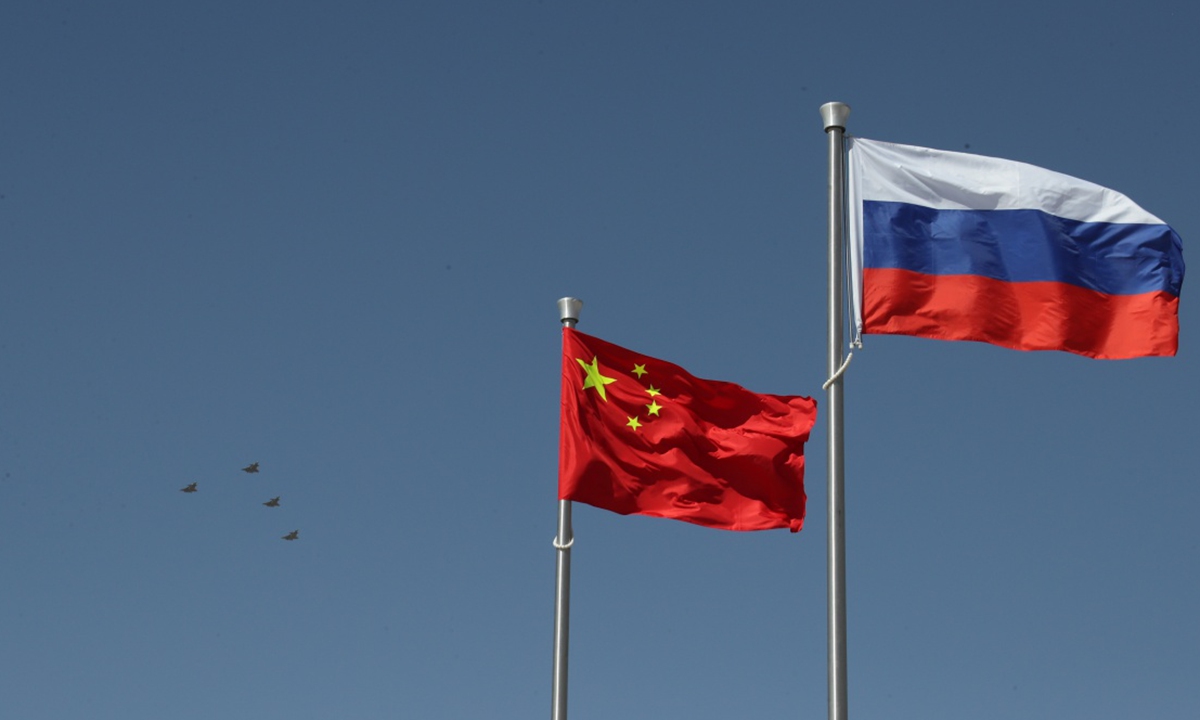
<point>329,238</point>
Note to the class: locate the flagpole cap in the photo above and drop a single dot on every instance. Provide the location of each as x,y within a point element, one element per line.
<point>568,310</point>
<point>834,114</point>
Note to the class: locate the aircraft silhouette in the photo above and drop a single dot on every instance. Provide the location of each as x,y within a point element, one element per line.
<point>189,488</point>
<point>251,468</point>
<point>273,502</point>
<point>292,535</point>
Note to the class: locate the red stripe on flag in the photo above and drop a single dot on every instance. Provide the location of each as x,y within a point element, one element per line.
<point>1022,316</point>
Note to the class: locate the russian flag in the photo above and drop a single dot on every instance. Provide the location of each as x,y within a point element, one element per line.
<point>955,246</point>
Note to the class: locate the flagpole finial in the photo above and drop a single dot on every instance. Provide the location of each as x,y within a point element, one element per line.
<point>834,114</point>
<point>568,310</point>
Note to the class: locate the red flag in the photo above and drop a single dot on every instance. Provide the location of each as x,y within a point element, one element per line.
<point>641,436</point>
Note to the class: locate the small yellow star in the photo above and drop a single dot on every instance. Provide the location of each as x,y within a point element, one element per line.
<point>594,378</point>
<point>638,370</point>
<point>653,391</point>
<point>653,407</point>
<point>633,423</point>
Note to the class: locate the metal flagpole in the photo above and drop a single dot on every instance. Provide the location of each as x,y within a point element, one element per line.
<point>834,114</point>
<point>568,311</point>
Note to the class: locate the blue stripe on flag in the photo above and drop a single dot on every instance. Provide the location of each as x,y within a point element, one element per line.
<point>1023,246</point>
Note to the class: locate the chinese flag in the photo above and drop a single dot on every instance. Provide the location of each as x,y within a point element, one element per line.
<point>641,436</point>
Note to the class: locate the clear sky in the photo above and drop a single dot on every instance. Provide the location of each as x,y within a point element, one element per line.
<point>329,238</point>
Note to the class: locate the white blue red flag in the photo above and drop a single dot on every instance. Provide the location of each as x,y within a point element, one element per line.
<point>955,246</point>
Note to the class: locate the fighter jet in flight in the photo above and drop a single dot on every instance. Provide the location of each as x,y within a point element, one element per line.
<point>292,535</point>
<point>251,468</point>
<point>189,488</point>
<point>273,502</point>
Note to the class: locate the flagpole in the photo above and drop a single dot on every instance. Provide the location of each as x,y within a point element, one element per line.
<point>568,312</point>
<point>834,114</point>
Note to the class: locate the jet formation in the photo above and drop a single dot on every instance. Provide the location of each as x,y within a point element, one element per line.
<point>273,502</point>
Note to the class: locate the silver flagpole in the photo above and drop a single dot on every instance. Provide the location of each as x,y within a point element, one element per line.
<point>834,114</point>
<point>568,312</point>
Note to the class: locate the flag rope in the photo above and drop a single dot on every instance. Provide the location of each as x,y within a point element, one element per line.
<point>833,378</point>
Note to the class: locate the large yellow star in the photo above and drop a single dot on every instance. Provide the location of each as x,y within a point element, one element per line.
<point>594,378</point>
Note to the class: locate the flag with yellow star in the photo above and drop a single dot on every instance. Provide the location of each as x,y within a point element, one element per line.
<point>641,436</point>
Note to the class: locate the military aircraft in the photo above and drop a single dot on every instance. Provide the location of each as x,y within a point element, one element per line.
<point>251,468</point>
<point>273,502</point>
<point>189,488</point>
<point>292,535</point>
